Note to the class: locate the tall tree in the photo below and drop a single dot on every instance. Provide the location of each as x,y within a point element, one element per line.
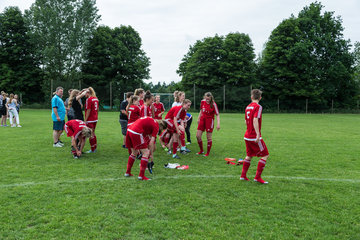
<point>307,57</point>
<point>61,28</point>
<point>115,56</point>
<point>19,69</point>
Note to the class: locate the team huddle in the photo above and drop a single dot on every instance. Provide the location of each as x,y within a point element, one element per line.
<point>141,120</point>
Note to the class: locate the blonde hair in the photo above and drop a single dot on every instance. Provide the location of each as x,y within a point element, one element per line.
<point>186,101</point>
<point>162,125</point>
<point>73,94</point>
<point>86,132</point>
<point>138,91</point>
<point>179,94</point>
<point>11,97</point>
<point>133,98</point>
<point>91,92</point>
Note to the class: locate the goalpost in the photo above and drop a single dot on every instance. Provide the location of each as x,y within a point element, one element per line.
<point>166,98</point>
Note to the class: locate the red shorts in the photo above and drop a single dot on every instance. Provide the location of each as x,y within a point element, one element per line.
<point>91,125</point>
<point>254,149</point>
<point>136,140</point>
<point>206,124</point>
<point>171,126</point>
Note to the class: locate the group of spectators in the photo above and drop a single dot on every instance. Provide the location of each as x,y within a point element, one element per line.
<point>9,109</point>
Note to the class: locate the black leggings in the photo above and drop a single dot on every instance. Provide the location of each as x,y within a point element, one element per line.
<point>187,130</point>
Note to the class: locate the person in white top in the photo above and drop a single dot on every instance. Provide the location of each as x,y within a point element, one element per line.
<point>11,104</point>
<point>179,98</point>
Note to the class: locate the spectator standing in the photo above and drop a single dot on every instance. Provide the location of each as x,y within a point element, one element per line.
<point>58,116</point>
<point>69,110</point>
<point>124,116</point>
<point>11,105</point>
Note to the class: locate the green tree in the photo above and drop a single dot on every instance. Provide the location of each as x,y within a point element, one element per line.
<point>19,69</point>
<point>307,57</point>
<point>115,56</point>
<point>61,28</point>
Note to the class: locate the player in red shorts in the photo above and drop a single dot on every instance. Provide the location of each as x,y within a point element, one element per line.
<point>146,109</point>
<point>91,116</point>
<point>255,145</point>
<point>133,109</point>
<point>175,114</point>
<point>141,137</point>
<point>78,131</point>
<point>159,108</point>
<point>208,110</point>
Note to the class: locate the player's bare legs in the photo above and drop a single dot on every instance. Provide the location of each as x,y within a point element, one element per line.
<point>199,140</point>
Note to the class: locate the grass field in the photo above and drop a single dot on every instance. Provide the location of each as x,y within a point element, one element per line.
<point>313,191</point>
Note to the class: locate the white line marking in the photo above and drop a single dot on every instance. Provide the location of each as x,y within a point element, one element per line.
<point>25,184</point>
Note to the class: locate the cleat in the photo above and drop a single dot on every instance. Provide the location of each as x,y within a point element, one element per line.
<point>169,152</point>
<point>183,152</point>
<point>128,175</point>
<point>199,153</point>
<point>150,167</point>
<point>91,151</point>
<point>176,156</point>
<point>124,146</point>
<point>19,126</point>
<point>143,178</point>
<point>206,155</point>
<point>244,179</point>
<point>76,157</point>
<point>260,180</point>
<point>187,150</point>
<point>57,145</point>
<point>139,156</point>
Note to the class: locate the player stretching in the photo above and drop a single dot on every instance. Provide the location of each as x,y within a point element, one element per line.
<point>78,131</point>
<point>255,145</point>
<point>141,136</point>
<point>91,116</point>
<point>208,110</point>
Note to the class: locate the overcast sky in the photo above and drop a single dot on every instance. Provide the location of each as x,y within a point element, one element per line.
<point>169,27</point>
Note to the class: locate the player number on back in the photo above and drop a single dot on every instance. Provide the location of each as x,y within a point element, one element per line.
<point>96,106</point>
<point>247,114</point>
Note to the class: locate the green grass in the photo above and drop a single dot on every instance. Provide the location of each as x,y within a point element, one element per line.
<point>313,170</point>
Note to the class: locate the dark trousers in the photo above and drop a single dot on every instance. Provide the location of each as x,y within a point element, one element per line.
<point>187,130</point>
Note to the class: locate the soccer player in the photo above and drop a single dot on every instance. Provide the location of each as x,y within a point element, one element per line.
<point>141,137</point>
<point>124,116</point>
<point>208,110</point>
<point>179,98</point>
<point>91,116</point>
<point>255,145</point>
<point>133,109</point>
<point>140,93</point>
<point>177,129</point>
<point>146,109</point>
<point>159,108</point>
<point>78,131</point>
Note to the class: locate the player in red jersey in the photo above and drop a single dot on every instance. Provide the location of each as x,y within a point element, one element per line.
<point>208,110</point>
<point>78,131</point>
<point>146,109</point>
<point>133,109</point>
<point>141,137</point>
<point>177,129</point>
<point>91,116</point>
<point>255,145</point>
<point>140,93</point>
<point>159,108</point>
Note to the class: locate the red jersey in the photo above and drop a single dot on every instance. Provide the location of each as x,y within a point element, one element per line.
<point>207,111</point>
<point>145,111</point>
<point>73,128</point>
<point>141,102</point>
<point>253,110</point>
<point>134,114</point>
<point>92,104</point>
<point>145,126</point>
<point>158,108</point>
<point>177,112</point>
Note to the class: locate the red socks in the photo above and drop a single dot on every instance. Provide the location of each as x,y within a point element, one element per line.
<point>209,147</point>
<point>143,165</point>
<point>201,146</point>
<point>260,168</point>
<point>182,139</point>
<point>93,143</point>
<point>130,163</point>
<point>175,145</point>
<point>245,168</point>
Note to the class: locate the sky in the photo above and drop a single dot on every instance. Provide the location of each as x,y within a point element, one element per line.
<point>168,27</point>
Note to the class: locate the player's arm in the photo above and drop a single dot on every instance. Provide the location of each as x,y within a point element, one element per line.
<point>256,127</point>
<point>199,117</point>
<point>73,143</point>
<point>81,94</point>
<point>152,110</point>
<point>82,144</point>
<point>218,122</point>
<point>87,114</point>
<point>162,110</point>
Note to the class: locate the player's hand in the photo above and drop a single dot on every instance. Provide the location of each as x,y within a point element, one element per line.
<point>58,119</point>
<point>257,138</point>
<point>218,127</point>
<point>78,153</point>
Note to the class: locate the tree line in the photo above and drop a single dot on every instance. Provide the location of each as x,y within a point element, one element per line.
<point>59,42</point>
